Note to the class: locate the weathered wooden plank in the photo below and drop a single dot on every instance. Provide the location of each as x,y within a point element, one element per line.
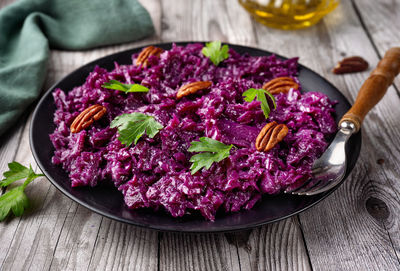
<point>339,232</point>
<point>206,20</point>
<point>197,252</point>
<point>56,233</point>
<point>23,247</point>
<point>200,20</point>
<point>197,20</point>
<point>76,241</point>
<point>352,229</point>
<point>8,230</point>
<point>123,247</point>
<point>381,20</point>
<point>9,143</point>
<point>381,142</point>
<point>278,246</point>
<point>8,149</point>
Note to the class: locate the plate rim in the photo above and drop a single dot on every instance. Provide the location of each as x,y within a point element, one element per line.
<point>232,228</point>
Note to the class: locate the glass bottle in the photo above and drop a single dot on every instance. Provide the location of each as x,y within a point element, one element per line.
<point>289,14</point>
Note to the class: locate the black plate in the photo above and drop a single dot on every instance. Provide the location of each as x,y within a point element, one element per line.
<point>109,202</point>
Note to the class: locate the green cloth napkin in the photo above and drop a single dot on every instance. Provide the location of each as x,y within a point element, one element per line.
<point>29,27</point>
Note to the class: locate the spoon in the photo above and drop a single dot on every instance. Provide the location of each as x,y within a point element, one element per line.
<point>329,170</point>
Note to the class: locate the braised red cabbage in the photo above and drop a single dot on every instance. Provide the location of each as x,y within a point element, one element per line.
<point>155,172</point>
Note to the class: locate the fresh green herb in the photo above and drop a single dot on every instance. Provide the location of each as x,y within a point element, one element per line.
<point>132,126</point>
<point>15,199</point>
<point>211,151</point>
<point>215,53</point>
<point>252,93</point>
<point>114,84</point>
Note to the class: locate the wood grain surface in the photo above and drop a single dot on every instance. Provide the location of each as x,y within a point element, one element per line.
<point>356,228</point>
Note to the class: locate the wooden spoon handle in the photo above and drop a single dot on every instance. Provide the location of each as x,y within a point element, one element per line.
<point>373,89</point>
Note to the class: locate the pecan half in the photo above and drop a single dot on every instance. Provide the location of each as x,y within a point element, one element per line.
<point>144,55</point>
<point>351,64</point>
<point>87,117</point>
<point>270,135</point>
<point>192,88</point>
<point>280,85</point>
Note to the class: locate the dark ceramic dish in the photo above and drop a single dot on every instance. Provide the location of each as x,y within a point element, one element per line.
<point>108,202</point>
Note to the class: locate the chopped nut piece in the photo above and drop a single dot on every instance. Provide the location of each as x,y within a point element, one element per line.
<point>144,55</point>
<point>192,88</point>
<point>280,85</point>
<point>270,135</point>
<point>350,65</point>
<point>87,117</point>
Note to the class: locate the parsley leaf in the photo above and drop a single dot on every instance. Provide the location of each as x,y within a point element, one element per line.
<point>252,93</point>
<point>114,84</point>
<point>215,53</point>
<point>132,126</point>
<point>16,172</point>
<point>15,199</point>
<point>211,151</point>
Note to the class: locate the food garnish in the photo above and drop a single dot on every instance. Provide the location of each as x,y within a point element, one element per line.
<point>211,151</point>
<point>215,52</point>
<point>350,65</point>
<point>253,93</point>
<point>132,126</point>
<point>280,85</point>
<point>270,135</point>
<point>114,84</point>
<point>147,52</point>
<point>87,117</point>
<point>15,199</point>
<point>192,88</point>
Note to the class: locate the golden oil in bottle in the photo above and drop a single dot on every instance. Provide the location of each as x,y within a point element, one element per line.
<point>289,14</point>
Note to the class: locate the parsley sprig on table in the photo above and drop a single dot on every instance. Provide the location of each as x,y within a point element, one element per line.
<point>114,84</point>
<point>15,199</point>
<point>132,126</point>
<point>211,151</point>
<point>215,52</point>
<point>253,93</point>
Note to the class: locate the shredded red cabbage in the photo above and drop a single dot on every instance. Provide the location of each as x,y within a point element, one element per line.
<point>155,172</point>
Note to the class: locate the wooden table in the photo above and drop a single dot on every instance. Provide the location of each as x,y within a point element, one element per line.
<point>356,228</point>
